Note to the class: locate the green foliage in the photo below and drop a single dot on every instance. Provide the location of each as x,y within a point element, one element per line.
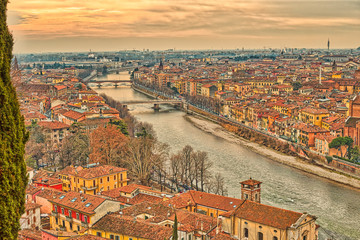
<point>296,85</point>
<point>121,125</point>
<point>13,175</point>
<point>355,154</point>
<point>342,141</point>
<point>175,229</point>
<point>329,159</point>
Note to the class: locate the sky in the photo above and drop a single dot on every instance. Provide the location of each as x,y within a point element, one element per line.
<point>113,25</point>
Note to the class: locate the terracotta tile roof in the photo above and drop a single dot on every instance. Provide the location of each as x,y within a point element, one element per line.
<point>251,182</point>
<point>139,198</point>
<point>50,181</point>
<point>86,237</point>
<point>78,201</point>
<point>73,115</point>
<point>59,87</point>
<point>135,228</point>
<point>29,234</point>
<point>223,236</point>
<point>59,233</point>
<point>68,170</point>
<point>30,206</point>
<point>205,199</point>
<point>266,215</point>
<point>54,125</point>
<point>99,171</point>
<point>49,193</point>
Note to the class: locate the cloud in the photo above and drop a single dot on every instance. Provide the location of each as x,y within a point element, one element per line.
<point>250,19</point>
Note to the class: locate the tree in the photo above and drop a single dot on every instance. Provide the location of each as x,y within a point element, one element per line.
<point>121,125</point>
<point>175,229</point>
<point>342,141</point>
<point>75,149</point>
<point>13,136</point>
<point>296,85</point>
<point>107,145</point>
<point>144,155</point>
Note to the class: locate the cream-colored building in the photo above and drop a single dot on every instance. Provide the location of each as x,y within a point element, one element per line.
<point>255,221</point>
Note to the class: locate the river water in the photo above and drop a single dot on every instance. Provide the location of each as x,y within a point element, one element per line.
<point>337,207</point>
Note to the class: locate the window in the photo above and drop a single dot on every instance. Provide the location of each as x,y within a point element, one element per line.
<point>69,213</point>
<point>108,188</point>
<point>34,210</point>
<point>211,214</point>
<point>189,237</point>
<point>108,179</point>
<point>246,232</point>
<point>28,221</point>
<point>98,234</point>
<point>260,236</point>
<point>121,177</point>
<point>56,220</point>
<point>94,183</point>
<point>117,238</point>
<point>63,223</point>
<point>246,196</point>
<point>77,215</point>
<point>70,226</point>
<point>62,210</point>
<point>111,236</point>
<point>55,208</point>
<point>100,180</point>
<point>86,219</point>
<point>114,177</point>
<point>275,238</point>
<point>305,237</point>
<point>78,228</point>
<point>84,182</point>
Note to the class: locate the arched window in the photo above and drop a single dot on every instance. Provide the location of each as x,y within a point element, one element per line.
<point>260,236</point>
<point>275,238</point>
<point>246,232</point>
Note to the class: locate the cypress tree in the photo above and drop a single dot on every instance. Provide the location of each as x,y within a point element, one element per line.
<point>175,229</point>
<point>13,176</point>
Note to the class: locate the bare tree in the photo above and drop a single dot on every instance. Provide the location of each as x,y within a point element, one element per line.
<point>217,185</point>
<point>201,166</point>
<point>144,155</point>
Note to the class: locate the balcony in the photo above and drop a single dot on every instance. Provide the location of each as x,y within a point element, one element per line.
<point>84,224</point>
<point>55,214</point>
<point>89,188</point>
<point>69,219</point>
<point>62,228</point>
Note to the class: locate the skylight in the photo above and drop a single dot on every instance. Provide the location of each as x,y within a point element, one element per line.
<point>62,196</point>
<point>88,204</point>
<point>73,200</point>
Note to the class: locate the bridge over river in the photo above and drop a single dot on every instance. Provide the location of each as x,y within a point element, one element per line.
<point>156,102</point>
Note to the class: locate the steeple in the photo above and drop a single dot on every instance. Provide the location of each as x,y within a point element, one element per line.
<point>328,44</point>
<point>251,190</point>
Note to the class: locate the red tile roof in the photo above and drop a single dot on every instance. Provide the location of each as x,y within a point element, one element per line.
<point>205,199</point>
<point>99,171</point>
<point>78,201</point>
<point>251,182</point>
<point>266,215</point>
<point>129,226</point>
<point>73,115</point>
<point>54,125</point>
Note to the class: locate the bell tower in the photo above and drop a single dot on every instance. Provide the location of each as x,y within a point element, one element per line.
<point>251,190</point>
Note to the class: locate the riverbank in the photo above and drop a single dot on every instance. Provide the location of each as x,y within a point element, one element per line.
<point>291,161</point>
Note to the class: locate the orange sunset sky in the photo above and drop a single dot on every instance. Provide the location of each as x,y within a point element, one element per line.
<point>104,25</point>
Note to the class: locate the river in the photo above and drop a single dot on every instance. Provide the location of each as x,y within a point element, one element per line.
<point>337,207</point>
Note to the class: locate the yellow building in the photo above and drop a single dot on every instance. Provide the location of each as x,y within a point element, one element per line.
<point>313,115</point>
<point>93,180</point>
<point>74,211</point>
<point>65,178</point>
<point>255,221</point>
